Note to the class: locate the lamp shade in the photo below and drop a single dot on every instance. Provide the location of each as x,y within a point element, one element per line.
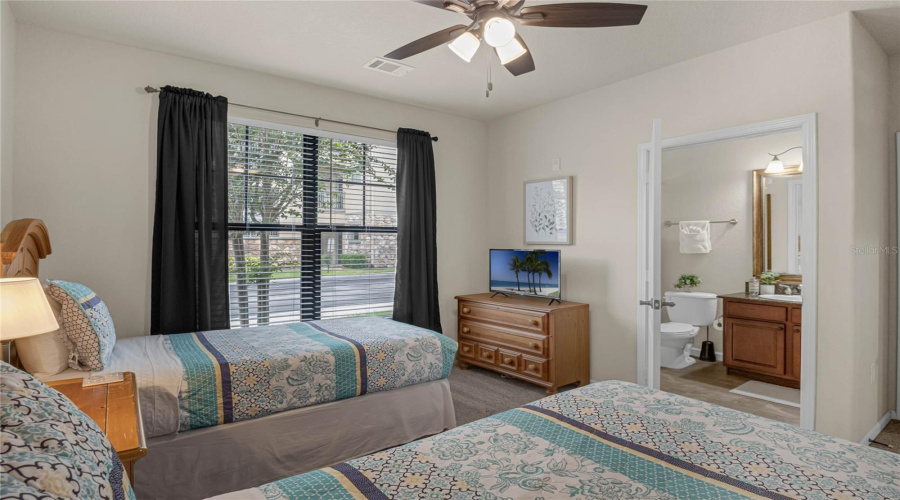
<point>775,166</point>
<point>24,310</point>
<point>498,31</point>
<point>465,46</point>
<point>511,51</point>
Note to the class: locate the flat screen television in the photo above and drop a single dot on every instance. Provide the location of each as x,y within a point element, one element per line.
<point>526,272</point>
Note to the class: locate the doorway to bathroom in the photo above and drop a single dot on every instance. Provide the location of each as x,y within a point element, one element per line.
<point>721,212</point>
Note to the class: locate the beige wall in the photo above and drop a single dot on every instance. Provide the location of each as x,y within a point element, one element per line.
<point>894,62</point>
<point>8,36</point>
<point>86,153</point>
<point>714,182</point>
<point>869,306</point>
<point>596,134</point>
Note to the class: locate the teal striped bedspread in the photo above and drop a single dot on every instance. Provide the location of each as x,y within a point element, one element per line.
<point>608,440</point>
<point>247,373</point>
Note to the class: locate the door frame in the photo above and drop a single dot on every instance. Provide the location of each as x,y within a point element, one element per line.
<point>647,347</point>
<point>794,242</point>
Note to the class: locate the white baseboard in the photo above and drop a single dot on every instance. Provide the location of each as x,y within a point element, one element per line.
<point>879,426</point>
<point>695,351</point>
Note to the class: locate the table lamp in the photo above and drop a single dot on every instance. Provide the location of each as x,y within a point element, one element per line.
<point>24,311</point>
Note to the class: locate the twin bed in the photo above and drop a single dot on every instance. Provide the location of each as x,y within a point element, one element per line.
<point>223,407</point>
<point>224,410</point>
<point>608,440</point>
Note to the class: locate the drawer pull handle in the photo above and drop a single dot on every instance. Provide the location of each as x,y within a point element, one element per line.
<point>535,345</point>
<point>535,322</point>
<point>466,349</point>
<point>506,360</point>
<point>466,310</point>
<point>531,367</point>
<point>465,329</point>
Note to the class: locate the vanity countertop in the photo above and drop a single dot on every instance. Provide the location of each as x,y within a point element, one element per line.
<point>748,297</point>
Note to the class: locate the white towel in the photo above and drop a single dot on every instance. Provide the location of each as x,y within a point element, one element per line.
<point>694,236</point>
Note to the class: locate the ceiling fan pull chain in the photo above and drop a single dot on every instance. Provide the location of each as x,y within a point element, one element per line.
<point>490,83</point>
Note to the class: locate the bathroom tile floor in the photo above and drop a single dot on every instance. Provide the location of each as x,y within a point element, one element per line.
<point>709,382</point>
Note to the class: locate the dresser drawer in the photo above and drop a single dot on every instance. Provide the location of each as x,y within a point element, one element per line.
<point>533,343</point>
<point>530,320</point>
<point>487,354</point>
<point>508,359</point>
<point>535,367</point>
<point>466,349</point>
<point>762,312</point>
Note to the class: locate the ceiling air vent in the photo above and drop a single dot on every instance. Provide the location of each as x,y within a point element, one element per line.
<point>387,66</point>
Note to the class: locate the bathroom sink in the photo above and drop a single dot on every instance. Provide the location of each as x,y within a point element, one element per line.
<point>785,298</point>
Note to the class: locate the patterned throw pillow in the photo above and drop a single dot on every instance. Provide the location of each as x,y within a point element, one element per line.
<point>51,449</point>
<point>90,334</point>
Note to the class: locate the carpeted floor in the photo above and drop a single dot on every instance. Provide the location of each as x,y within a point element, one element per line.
<point>479,393</point>
<point>890,436</point>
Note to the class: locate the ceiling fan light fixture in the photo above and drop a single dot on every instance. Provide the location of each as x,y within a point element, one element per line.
<point>510,52</point>
<point>499,31</point>
<point>465,46</point>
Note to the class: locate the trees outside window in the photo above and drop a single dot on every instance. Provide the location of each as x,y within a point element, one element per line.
<point>286,191</point>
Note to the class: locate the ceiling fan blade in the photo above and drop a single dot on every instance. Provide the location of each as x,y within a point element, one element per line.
<point>512,6</point>
<point>460,6</point>
<point>522,64</point>
<point>582,15</point>
<point>427,42</point>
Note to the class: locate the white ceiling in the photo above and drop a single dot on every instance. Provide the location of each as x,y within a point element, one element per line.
<point>328,42</point>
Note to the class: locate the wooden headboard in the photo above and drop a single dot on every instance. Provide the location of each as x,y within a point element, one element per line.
<point>23,244</point>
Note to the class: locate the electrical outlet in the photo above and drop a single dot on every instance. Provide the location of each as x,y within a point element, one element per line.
<point>556,164</point>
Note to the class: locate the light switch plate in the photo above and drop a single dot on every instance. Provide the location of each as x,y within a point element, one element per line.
<point>556,164</point>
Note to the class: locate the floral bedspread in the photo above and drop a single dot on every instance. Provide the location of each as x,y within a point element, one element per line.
<point>50,448</point>
<point>609,440</point>
<point>241,374</point>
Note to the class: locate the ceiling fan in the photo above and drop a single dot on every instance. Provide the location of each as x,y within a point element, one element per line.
<point>494,21</point>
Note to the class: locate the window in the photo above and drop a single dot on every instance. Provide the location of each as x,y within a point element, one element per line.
<point>312,224</point>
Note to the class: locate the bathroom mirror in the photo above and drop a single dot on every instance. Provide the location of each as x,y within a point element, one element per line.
<point>777,219</point>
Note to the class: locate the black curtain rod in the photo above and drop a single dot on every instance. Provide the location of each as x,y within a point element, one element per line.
<point>151,90</point>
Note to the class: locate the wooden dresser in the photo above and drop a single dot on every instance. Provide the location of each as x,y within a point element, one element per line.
<point>523,337</point>
<point>762,339</point>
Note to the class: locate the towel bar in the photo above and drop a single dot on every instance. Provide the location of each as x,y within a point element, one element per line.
<point>669,223</point>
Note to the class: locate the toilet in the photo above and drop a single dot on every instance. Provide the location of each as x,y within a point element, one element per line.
<point>691,311</point>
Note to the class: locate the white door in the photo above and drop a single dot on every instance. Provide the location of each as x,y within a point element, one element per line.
<point>649,260</point>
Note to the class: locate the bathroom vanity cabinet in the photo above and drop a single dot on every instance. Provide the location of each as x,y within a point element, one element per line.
<point>762,339</point>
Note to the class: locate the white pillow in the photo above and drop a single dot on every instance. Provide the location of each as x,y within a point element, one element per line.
<point>46,354</point>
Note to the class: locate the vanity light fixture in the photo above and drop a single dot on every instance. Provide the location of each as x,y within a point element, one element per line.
<point>776,166</point>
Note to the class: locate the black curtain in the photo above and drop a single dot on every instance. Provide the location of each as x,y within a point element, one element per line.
<point>190,223</point>
<point>416,289</point>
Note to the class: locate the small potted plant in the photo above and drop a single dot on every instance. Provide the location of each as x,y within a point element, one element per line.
<point>687,282</point>
<point>767,281</point>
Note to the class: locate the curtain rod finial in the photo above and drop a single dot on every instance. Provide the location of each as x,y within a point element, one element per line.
<point>150,90</point>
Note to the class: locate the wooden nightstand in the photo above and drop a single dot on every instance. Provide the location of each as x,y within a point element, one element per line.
<point>116,409</point>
